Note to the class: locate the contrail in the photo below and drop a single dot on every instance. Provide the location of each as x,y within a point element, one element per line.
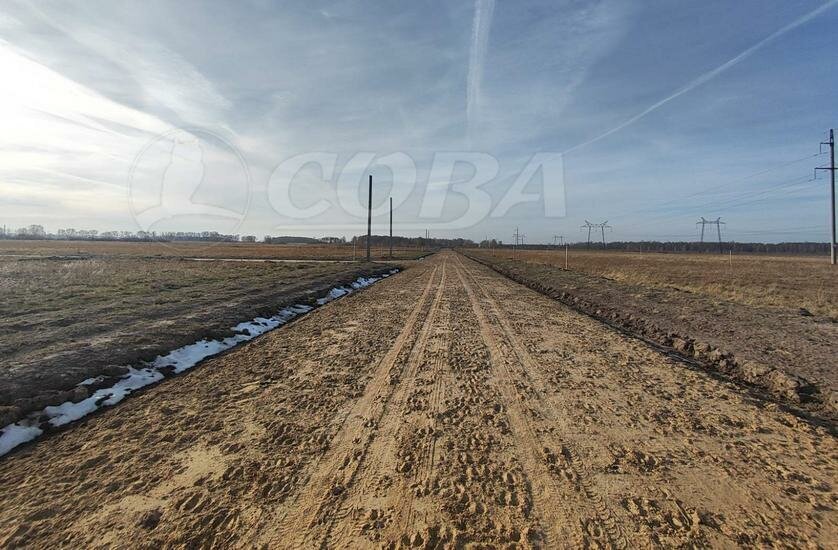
<point>709,75</point>
<point>483,10</point>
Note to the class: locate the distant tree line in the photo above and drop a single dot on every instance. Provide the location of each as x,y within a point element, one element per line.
<point>290,239</point>
<point>412,242</point>
<point>694,247</point>
<point>37,232</point>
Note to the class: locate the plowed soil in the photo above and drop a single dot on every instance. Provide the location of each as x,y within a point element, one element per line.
<point>195,249</point>
<point>63,321</point>
<point>445,407</point>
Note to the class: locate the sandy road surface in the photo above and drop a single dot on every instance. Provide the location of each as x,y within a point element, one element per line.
<point>443,407</point>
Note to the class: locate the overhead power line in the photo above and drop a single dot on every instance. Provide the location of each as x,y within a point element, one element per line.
<point>726,185</point>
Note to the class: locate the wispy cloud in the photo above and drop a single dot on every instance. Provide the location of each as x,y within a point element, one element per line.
<point>167,84</point>
<point>483,11</point>
<point>711,74</point>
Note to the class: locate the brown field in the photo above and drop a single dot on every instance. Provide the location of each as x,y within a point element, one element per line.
<point>445,407</point>
<point>188,249</point>
<point>745,321</point>
<point>65,320</point>
<point>782,281</point>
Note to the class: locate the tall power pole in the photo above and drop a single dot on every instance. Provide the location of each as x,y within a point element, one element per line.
<point>717,222</point>
<point>602,226</point>
<point>391,228</point>
<point>369,220</point>
<point>831,168</point>
<point>519,239</point>
<point>588,225</point>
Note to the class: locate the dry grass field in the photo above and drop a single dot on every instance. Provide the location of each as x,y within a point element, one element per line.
<point>783,281</point>
<point>65,320</point>
<point>768,321</point>
<point>185,249</point>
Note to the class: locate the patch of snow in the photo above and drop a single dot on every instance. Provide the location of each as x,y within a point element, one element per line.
<point>69,411</point>
<point>15,434</point>
<point>178,360</point>
<point>187,357</point>
<point>134,380</point>
<point>333,294</point>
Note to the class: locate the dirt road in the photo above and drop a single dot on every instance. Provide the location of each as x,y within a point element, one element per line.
<point>446,406</point>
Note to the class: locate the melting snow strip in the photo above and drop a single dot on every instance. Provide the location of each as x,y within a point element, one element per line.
<point>176,361</point>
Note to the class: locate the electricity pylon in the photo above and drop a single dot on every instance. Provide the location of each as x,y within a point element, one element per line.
<point>602,226</point>
<point>717,222</point>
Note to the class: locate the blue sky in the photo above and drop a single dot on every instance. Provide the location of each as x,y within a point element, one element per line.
<point>660,111</point>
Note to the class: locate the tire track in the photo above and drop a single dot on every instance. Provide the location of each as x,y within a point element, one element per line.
<point>309,515</point>
<point>566,461</point>
<point>376,464</point>
<point>435,407</point>
<point>551,499</point>
<point>424,454</point>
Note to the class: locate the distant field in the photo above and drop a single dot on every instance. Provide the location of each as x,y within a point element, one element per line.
<point>785,281</point>
<point>200,250</point>
<point>64,320</point>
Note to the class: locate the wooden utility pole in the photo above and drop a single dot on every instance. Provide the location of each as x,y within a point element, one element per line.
<point>369,220</point>
<point>832,192</point>
<point>831,169</point>
<point>391,228</point>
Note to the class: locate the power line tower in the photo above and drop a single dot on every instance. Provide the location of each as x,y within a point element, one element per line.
<point>831,168</point>
<point>559,238</point>
<point>717,222</point>
<point>519,240</point>
<point>601,226</point>
<point>588,225</point>
<point>519,237</point>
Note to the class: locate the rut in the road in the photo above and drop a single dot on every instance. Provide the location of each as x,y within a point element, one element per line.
<point>398,446</point>
<point>568,514</point>
<point>319,505</point>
